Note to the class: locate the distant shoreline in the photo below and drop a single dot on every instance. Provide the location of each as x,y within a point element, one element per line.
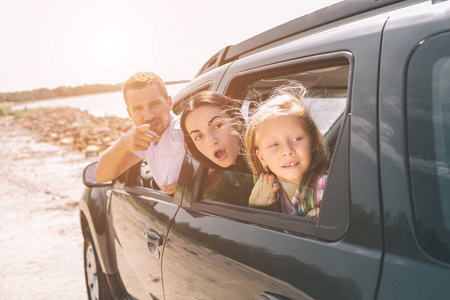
<point>23,97</point>
<point>98,104</point>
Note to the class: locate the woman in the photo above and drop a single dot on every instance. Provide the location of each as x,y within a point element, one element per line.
<point>212,124</point>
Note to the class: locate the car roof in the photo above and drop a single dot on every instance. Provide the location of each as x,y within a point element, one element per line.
<point>338,11</point>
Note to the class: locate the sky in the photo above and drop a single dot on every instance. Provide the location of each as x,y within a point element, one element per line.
<point>51,43</point>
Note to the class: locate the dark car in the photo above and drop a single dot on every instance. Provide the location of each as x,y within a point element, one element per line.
<point>380,75</point>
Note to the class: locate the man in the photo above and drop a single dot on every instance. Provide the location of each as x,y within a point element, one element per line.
<point>157,135</point>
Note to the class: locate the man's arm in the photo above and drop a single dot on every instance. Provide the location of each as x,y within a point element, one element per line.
<point>120,157</point>
<point>113,162</point>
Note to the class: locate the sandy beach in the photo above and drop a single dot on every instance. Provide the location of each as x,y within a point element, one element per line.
<point>41,242</point>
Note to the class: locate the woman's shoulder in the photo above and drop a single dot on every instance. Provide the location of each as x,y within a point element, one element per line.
<point>241,165</point>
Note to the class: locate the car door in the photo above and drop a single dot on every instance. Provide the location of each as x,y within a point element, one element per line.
<point>141,217</point>
<point>415,148</point>
<point>219,250</point>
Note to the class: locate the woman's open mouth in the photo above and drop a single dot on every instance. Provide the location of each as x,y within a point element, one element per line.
<point>220,154</point>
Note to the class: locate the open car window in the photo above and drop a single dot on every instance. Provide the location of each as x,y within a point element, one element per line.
<point>327,78</point>
<point>325,112</point>
<point>139,180</point>
<point>144,176</point>
<point>327,82</point>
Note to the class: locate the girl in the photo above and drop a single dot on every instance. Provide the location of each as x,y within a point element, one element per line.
<point>285,147</point>
<point>212,125</point>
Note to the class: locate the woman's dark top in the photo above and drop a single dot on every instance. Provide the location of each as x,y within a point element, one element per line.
<point>233,188</point>
<point>241,165</point>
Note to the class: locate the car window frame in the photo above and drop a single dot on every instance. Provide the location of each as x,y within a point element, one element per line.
<point>133,189</point>
<point>179,101</point>
<point>321,229</point>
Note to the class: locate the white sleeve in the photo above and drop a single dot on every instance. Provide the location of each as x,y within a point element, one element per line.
<point>141,154</point>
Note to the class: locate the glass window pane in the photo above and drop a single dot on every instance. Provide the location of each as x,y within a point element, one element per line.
<point>250,191</point>
<point>428,112</point>
<point>441,130</point>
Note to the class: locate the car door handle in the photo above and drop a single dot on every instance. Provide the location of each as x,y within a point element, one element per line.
<point>273,296</point>
<point>153,237</point>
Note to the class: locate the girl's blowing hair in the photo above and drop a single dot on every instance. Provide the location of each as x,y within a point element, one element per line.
<point>226,104</point>
<point>287,100</point>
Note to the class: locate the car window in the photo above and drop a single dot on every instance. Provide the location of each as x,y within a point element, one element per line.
<point>428,115</point>
<point>178,106</point>
<point>327,83</point>
<point>248,190</point>
<point>139,181</point>
<point>228,187</point>
<point>228,193</point>
<point>144,177</point>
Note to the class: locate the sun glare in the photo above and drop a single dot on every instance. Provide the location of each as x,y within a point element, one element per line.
<point>109,45</point>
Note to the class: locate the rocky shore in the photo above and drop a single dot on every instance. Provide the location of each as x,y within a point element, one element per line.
<point>76,128</point>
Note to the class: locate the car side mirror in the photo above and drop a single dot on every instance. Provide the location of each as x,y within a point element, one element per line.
<point>89,177</point>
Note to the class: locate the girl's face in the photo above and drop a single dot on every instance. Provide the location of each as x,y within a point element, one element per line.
<point>214,135</point>
<point>285,147</point>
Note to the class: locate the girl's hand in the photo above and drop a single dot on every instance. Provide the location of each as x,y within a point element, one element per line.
<point>314,213</point>
<point>264,191</point>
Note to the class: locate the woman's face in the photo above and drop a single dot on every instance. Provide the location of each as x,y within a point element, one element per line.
<point>214,134</point>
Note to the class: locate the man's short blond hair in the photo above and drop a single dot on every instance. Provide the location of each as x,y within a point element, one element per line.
<point>140,80</point>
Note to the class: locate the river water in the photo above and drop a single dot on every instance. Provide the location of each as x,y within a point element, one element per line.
<point>99,105</point>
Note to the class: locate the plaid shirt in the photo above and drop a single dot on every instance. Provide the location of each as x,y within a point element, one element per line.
<point>297,208</point>
<point>320,187</point>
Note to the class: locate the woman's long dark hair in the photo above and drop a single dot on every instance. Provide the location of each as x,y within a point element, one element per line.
<point>228,105</point>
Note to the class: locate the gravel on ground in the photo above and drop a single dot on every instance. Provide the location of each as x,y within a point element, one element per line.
<point>40,187</point>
